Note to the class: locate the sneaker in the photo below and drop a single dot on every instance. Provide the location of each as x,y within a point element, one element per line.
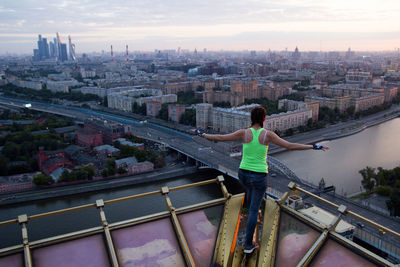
<point>250,250</point>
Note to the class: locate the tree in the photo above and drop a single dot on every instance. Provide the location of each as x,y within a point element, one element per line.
<point>3,165</point>
<point>350,110</point>
<point>64,177</point>
<point>188,117</point>
<point>369,176</point>
<point>121,170</point>
<point>289,132</point>
<point>104,173</point>
<point>89,170</point>
<point>11,150</point>
<point>42,179</point>
<point>81,174</point>
<point>394,203</point>
<point>163,113</point>
<point>200,88</point>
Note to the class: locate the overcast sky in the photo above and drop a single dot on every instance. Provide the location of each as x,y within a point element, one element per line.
<point>218,24</point>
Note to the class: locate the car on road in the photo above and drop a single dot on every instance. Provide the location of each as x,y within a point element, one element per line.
<point>360,225</point>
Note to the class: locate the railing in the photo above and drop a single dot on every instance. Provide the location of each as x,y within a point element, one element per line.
<point>377,242</point>
<point>294,188</point>
<point>275,163</point>
<point>387,247</point>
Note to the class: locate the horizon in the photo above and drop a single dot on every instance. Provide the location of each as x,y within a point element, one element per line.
<point>218,25</point>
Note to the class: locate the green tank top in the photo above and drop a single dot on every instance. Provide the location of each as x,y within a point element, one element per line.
<point>254,156</point>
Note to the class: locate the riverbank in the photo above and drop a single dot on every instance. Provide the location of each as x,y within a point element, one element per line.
<point>155,176</point>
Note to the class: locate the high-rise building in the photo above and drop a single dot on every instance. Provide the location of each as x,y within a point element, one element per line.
<point>58,44</point>
<point>43,49</point>
<point>72,55</point>
<point>63,54</point>
<point>52,50</point>
<point>56,48</point>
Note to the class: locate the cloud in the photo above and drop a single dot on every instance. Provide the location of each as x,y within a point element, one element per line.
<point>122,20</point>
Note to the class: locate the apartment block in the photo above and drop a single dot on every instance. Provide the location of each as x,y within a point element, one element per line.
<point>232,119</point>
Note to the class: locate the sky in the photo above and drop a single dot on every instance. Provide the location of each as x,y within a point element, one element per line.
<point>94,25</point>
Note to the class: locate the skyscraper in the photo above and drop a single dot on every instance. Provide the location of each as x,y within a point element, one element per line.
<point>43,49</point>
<point>52,50</point>
<point>72,55</point>
<point>63,52</point>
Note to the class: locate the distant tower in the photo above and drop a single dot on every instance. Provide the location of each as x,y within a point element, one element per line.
<point>64,54</point>
<point>72,55</point>
<point>296,54</point>
<point>58,44</point>
<point>112,54</point>
<point>179,51</point>
<point>127,53</point>
<point>56,48</point>
<point>43,49</point>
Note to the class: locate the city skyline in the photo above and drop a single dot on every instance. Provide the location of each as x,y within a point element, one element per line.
<point>235,25</point>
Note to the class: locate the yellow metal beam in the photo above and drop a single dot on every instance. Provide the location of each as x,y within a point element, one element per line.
<point>178,229</point>
<point>226,239</point>
<point>109,241</point>
<point>23,220</point>
<point>307,258</point>
<point>269,234</point>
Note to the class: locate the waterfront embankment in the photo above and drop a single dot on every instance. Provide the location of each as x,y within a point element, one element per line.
<point>106,184</point>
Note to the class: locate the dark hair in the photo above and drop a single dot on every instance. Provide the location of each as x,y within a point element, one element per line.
<point>258,115</point>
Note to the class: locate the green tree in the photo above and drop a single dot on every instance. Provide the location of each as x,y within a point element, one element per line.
<point>11,150</point>
<point>3,165</point>
<point>289,132</point>
<point>188,117</point>
<point>64,177</point>
<point>104,173</point>
<point>369,176</point>
<point>384,190</point>
<point>111,163</point>
<point>163,113</point>
<point>200,88</point>
<point>89,170</point>
<point>42,179</point>
<point>81,174</point>
<point>121,170</point>
<point>394,203</point>
<point>351,110</point>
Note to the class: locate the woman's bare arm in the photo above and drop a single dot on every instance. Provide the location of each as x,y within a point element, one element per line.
<point>275,139</point>
<point>238,135</point>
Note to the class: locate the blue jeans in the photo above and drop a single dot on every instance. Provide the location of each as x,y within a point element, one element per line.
<point>255,184</point>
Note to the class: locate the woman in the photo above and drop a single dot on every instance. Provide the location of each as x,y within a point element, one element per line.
<point>253,169</point>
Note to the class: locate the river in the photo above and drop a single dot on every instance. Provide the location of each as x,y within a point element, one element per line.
<point>377,146</point>
<point>83,219</point>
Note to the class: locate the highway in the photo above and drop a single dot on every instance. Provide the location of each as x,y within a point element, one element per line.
<point>205,153</point>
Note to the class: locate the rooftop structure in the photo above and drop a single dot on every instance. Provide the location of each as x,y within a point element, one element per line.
<point>202,234</point>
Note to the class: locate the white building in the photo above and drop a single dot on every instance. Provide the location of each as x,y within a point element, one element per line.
<point>232,119</point>
<point>36,85</point>
<point>61,86</point>
<point>125,99</point>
